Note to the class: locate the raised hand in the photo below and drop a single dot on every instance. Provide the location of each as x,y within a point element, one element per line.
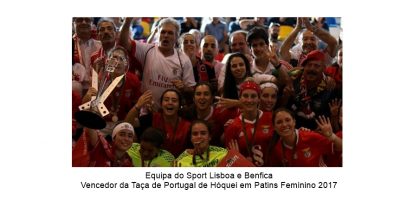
<point>145,100</point>
<point>271,53</point>
<point>299,23</point>
<point>257,155</point>
<point>307,24</point>
<point>233,145</point>
<point>178,84</point>
<point>324,124</point>
<point>334,107</point>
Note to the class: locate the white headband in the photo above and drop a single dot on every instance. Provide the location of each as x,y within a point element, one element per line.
<point>269,85</point>
<point>122,126</point>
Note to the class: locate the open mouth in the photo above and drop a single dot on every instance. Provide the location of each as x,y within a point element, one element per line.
<point>202,102</point>
<point>286,131</point>
<point>198,143</point>
<point>165,42</point>
<point>208,57</point>
<point>309,47</point>
<point>169,109</point>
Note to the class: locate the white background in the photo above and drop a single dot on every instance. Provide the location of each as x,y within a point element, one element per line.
<point>35,155</point>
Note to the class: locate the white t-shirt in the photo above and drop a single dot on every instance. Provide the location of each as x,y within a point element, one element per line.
<point>159,71</point>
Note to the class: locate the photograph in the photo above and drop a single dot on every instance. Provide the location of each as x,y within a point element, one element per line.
<point>207,92</point>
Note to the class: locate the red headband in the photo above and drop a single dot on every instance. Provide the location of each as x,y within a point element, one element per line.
<point>250,85</point>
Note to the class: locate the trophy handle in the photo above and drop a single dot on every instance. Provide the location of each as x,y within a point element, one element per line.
<point>91,113</point>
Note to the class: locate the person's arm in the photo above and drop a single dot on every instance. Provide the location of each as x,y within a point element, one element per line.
<point>88,96</point>
<point>228,103</point>
<point>324,124</point>
<point>92,135</point>
<point>287,44</point>
<point>283,76</point>
<point>152,34</point>
<point>133,114</point>
<point>323,35</point>
<point>124,38</point>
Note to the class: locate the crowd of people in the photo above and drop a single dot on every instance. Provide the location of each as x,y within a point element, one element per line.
<point>225,94</point>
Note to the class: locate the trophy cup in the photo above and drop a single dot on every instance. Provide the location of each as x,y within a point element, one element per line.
<point>91,113</point>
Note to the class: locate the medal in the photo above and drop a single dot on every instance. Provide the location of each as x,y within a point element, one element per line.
<point>114,118</point>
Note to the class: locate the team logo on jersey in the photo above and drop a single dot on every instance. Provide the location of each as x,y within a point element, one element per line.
<point>175,71</point>
<point>307,152</point>
<point>265,129</point>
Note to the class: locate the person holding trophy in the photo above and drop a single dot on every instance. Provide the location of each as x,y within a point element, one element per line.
<point>118,100</point>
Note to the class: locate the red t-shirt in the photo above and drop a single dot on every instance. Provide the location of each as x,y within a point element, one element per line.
<point>176,140</point>
<point>309,149</point>
<point>262,136</point>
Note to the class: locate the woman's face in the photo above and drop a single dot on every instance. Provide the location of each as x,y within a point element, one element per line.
<point>268,99</point>
<point>238,68</point>
<point>249,98</point>
<point>189,45</point>
<point>202,97</point>
<point>123,140</point>
<point>200,137</point>
<point>284,124</point>
<point>170,103</point>
<point>148,151</point>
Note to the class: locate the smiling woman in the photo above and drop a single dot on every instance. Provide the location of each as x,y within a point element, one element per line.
<point>168,120</point>
<point>202,154</point>
<point>298,148</point>
<point>92,149</point>
<point>252,129</point>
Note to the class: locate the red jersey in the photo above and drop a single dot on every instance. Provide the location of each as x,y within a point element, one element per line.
<point>222,115</point>
<point>308,151</point>
<point>257,132</point>
<point>100,156</point>
<point>215,121</point>
<point>176,140</point>
<point>335,160</point>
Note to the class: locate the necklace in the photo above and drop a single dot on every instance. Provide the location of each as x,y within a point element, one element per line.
<point>293,156</point>
<point>249,143</point>
<point>201,157</point>
<point>175,129</point>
